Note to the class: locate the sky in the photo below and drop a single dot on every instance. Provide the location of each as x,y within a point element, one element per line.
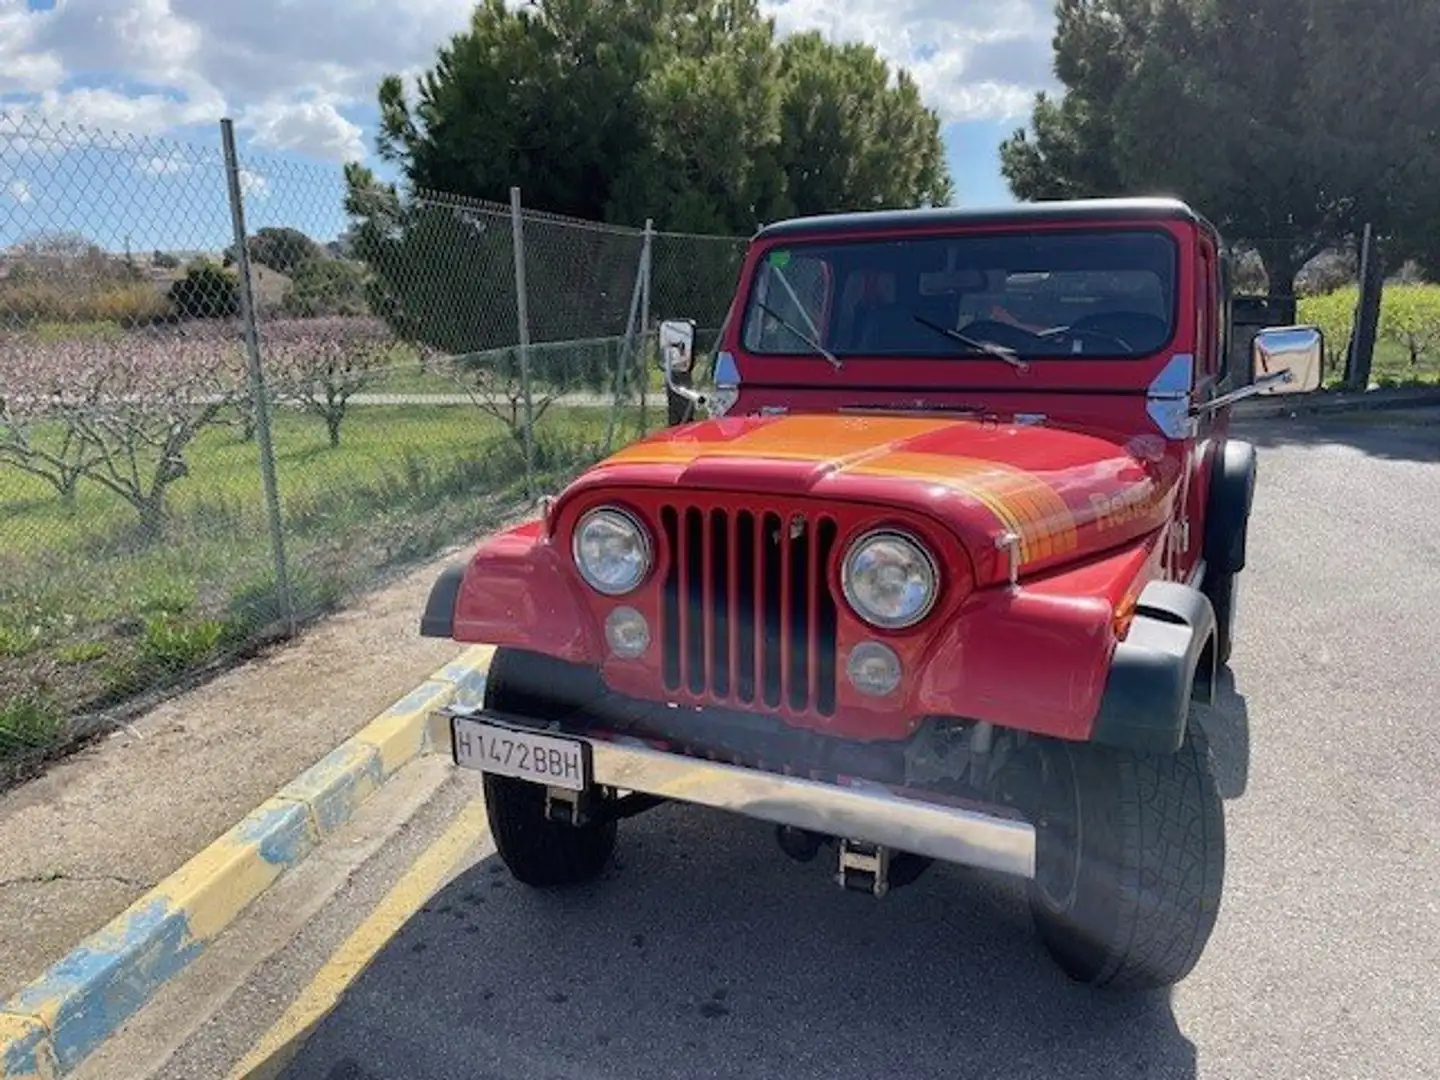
<point>109,109</point>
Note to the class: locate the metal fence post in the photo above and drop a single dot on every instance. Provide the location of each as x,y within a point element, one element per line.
<point>1367,313</point>
<point>257,377</point>
<point>627,356</point>
<point>522,316</point>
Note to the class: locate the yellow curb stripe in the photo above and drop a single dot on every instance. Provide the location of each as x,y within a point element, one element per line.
<point>49,1026</point>
<point>426,876</point>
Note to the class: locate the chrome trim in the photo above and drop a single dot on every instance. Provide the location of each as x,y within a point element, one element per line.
<point>915,543</point>
<point>868,812</point>
<point>1167,400</point>
<point>1259,386</point>
<point>647,543</point>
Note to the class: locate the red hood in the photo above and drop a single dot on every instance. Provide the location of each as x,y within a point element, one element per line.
<point>1064,493</point>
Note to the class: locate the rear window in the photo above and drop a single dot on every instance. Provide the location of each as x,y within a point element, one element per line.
<point>1071,293</point>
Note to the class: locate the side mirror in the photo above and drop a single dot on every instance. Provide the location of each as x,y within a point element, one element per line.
<point>1287,359</point>
<point>1283,360</point>
<point>677,345</point>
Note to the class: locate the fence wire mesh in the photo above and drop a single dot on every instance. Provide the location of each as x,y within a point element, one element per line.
<point>135,543</point>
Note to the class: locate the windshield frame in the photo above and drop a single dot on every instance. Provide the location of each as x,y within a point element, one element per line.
<point>950,352</point>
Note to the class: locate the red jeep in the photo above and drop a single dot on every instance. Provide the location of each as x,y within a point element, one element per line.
<point>939,577</point>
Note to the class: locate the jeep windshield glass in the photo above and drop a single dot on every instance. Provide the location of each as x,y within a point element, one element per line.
<point>1032,295</point>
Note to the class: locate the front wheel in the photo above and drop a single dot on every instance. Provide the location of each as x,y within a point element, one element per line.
<point>537,851</point>
<point>1130,860</point>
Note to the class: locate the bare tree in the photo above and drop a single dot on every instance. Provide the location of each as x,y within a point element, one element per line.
<point>122,414</point>
<point>320,364</point>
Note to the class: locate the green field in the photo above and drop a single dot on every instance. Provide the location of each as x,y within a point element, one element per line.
<point>90,615</point>
<point>1407,347</point>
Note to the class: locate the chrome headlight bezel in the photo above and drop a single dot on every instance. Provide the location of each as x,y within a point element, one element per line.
<point>923,557</point>
<point>645,542</point>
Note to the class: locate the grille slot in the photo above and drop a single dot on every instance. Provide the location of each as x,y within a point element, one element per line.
<point>746,615</point>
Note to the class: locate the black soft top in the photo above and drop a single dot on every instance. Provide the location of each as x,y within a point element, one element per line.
<point>1080,210</point>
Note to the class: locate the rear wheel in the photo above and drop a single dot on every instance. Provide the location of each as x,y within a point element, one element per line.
<point>537,851</point>
<point>1130,856</point>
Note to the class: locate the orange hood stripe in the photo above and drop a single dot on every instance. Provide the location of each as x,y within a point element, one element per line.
<point>1022,502</point>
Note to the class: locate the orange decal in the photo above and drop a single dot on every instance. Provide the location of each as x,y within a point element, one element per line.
<point>1022,502</point>
<point>819,439</point>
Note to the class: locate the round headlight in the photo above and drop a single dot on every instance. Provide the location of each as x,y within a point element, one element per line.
<point>889,580</point>
<point>612,551</point>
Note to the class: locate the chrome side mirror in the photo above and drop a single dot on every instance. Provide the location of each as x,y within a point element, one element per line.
<point>1297,352</point>
<point>677,358</point>
<point>677,345</point>
<point>1283,359</point>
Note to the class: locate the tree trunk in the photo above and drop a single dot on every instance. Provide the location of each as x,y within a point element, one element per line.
<point>151,509</point>
<point>1280,268</point>
<point>332,425</point>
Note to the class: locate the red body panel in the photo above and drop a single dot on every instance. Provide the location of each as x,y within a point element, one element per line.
<point>1095,496</point>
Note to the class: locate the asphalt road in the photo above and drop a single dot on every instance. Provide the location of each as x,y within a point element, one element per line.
<point>706,953</point>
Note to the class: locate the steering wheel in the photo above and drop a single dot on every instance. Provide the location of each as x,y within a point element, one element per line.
<point>1078,331</point>
<point>1122,328</point>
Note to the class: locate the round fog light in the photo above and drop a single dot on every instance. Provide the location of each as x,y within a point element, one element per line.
<point>873,669</point>
<point>627,632</point>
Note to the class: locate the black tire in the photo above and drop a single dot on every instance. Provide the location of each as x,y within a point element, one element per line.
<point>1221,590</point>
<point>1130,862</point>
<point>536,851</point>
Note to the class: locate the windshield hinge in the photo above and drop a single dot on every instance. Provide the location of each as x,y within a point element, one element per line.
<point>1167,399</point>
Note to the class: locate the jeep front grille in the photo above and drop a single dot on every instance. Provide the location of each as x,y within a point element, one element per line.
<point>747,615</point>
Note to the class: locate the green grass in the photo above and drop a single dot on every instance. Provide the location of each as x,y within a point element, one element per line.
<point>90,616</point>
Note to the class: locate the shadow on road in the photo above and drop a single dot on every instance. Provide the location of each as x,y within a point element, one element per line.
<point>705,952</point>
<point>1226,725</point>
<point>1409,435</point>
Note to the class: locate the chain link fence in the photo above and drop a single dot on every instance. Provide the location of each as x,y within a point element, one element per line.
<point>205,444</point>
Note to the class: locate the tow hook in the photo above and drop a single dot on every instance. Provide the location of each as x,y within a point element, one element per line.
<point>864,867</point>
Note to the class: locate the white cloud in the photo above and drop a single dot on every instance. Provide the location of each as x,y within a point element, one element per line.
<point>19,191</point>
<point>164,164</point>
<point>300,75</point>
<point>972,62</point>
<point>285,69</point>
<point>253,184</point>
<point>316,128</point>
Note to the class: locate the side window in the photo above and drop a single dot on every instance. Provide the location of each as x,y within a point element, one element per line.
<point>1205,328</point>
<point>1223,319</point>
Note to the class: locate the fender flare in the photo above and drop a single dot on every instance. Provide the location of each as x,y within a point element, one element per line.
<point>1156,671</point>
<point>438,621</point>
<point>1227,510</point>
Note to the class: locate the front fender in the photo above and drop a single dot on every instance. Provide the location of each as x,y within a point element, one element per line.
<point>1146,704</point>
<point>515,590</point>
<point>1227,515</point>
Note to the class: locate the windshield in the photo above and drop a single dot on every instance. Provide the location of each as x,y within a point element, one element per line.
<point>1072,293</point>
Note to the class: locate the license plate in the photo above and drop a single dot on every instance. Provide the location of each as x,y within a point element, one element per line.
<point>524,755</point>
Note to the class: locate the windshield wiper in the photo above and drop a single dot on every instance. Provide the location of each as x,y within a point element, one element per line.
<point>989,348</point>
<point>806,338</point>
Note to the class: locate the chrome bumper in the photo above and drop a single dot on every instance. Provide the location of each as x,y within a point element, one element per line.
<point>873,813</point>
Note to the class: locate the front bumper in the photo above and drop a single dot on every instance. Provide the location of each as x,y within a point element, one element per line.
<point>922,823</point>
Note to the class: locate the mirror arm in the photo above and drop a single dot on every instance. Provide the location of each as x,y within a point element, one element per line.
<point>690,394</point>
<point>1259,386</point>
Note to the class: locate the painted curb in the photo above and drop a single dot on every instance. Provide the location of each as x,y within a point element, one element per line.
<point>49,1026</point>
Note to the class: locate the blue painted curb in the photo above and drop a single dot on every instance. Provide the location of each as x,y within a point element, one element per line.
<point>49,1027</point>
